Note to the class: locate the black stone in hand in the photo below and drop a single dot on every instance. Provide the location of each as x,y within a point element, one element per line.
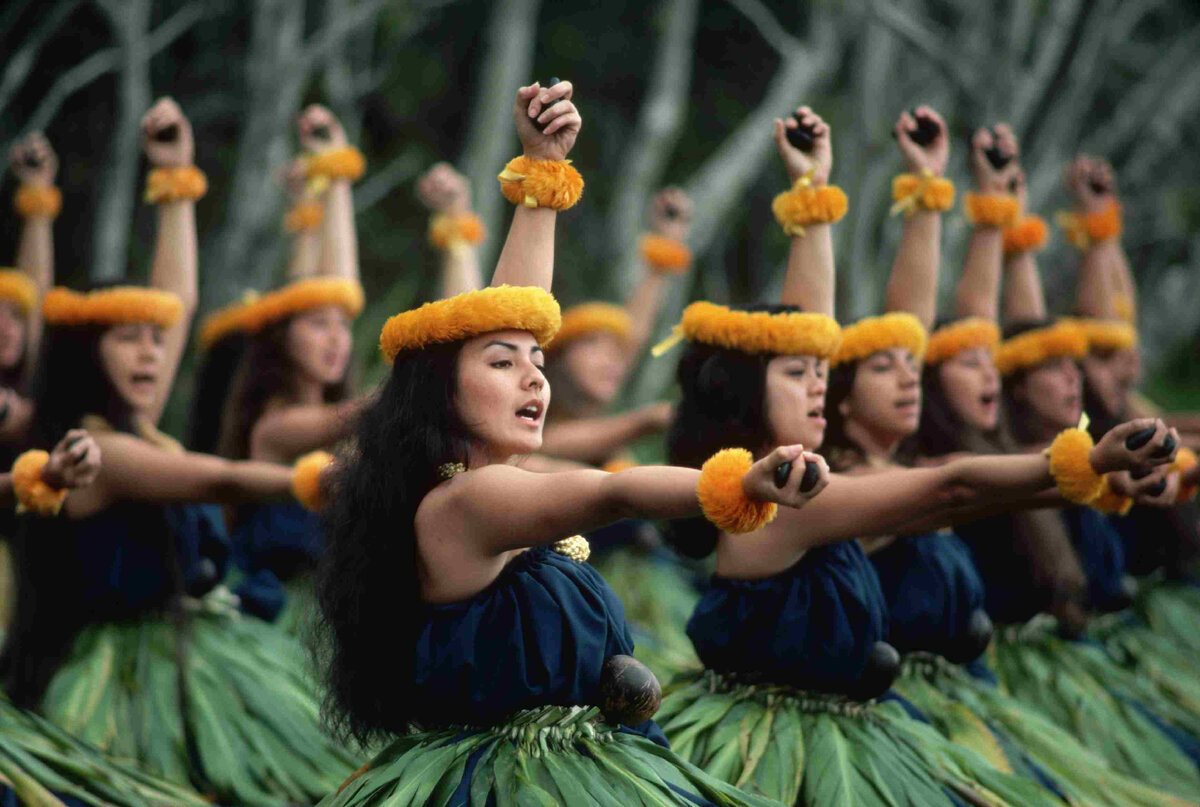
<point>167,134</point>
<point>802,136</point>
<point>1157,488</point>
<point>812,475</point>
<point>1138,439</point>
<point>550,83</point>
<point>926,132</point>
<point>782,471</point>
<point>1166,448</point>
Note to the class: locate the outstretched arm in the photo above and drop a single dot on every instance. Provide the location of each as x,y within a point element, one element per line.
<point>175,256</point>
<point>448,193</point>
<point>527,258</point>
<point>595,440</point>
<point>284,434</point>
<point>978,292</point>
<point>912,286</point>
<point>809,281</point>
<point>35,164</point>
<point>320,131</point>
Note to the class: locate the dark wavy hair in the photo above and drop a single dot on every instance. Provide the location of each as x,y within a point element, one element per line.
<point>367,589</point>
<point>265,370</point>
<point>214,378</point>
<point>723,405</point>
<point>1019,414</point>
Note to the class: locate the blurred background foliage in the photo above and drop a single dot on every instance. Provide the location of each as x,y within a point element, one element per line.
<point>672,92</point>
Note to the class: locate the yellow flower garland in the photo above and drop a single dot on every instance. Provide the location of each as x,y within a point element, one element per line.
<point>255,312</point>
<point>447,230</point>
<point>1071,466</point>
<point>345,162</point>
<point>873,334</point>
<point>589,318</point>
<point>722,498</point>
<point>183,183</point>
<point>1185,460</point>
<point>991,209</point>
<point>496,308</point>
<point>18,289</point>
<point>306,479</point>
<point>113,306</point>
<point>33,494</point>
<point>1029,234</point>
<point>784,334</point>
<point>37,200</point>
<point>541,183</point>
<point>665,255</point>
<point>1029,349</point>
<point>1085,229</point>
<point>805,205</point>
<point>965,334</point>
<point>923,191</point>
<point>1106,334</point>
<point>303,216</point>
<point>1110,502</point>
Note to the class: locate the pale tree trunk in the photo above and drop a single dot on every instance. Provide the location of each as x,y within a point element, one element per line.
<point>653,139</point>
<point>491,141</point>
<point>118,186</point>
<point>347,70</point>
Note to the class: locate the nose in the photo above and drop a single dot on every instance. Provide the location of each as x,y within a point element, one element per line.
<point>909,376</point>
<point>534,379</point>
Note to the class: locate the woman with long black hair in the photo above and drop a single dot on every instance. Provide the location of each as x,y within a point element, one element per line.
<point>121,633</point>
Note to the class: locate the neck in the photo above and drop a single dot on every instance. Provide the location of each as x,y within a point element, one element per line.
<point>307,391</point>
<point>878,446</point>
<point>481,454</point>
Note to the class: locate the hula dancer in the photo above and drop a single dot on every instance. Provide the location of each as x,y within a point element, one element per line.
<point>137,651</point>
<point>463,623</point>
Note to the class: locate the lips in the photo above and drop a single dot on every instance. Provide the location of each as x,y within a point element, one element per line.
<point>531,412</point>
<point>907,403</point>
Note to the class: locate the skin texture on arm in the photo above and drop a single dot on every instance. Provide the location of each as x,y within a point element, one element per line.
<point>809,281</point>
<point>596,439</point>
<point>1090,182</point>
<point>304,259</point>
<point>671,214</point>
<point>445,191</point>
<point>284,433</point>
<point>175,254</point>
<point>319,131</point>
<point>978,291</point>
<point>35,163</point>
<point>527,258</point>
<point>912,286</point>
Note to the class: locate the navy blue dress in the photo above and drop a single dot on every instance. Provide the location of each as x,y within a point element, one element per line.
<point>1009,596</point>
<point>811,626</point>
<point>1102,555</point>
<point>282,537</point>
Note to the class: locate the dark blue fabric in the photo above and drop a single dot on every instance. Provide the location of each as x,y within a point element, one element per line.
<point>811,626</point>
<point>538,635</point>
<point>1009,595</point>
<point>931,588</point>
<point>980,671</point>
<point>282,537</point>
<point>1102,556</point>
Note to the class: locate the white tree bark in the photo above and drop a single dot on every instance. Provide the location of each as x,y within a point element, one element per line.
<point>491,139</point>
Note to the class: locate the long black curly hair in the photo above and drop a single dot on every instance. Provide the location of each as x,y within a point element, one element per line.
<point>367,585</point>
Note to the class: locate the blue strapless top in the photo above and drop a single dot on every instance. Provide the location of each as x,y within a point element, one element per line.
<point>1008,595</point>
<point>1102,556</point>
<point>931,588</point>
<point>281,537</point>
<point>812,626</point>
<point>538,635</point>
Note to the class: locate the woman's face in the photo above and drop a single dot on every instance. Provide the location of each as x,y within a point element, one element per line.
<point>972,387</point>
<point>318,342</point>
<point>885,398</point>
<point>502,395</point>
<point>132,356</point>
<point>1052,391</point>
<point>1108,377</point>
<point>794,400</point>
<point>12,335</point>
<point>596,363</point>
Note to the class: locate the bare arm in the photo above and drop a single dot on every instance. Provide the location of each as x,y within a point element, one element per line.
<point>175,255</point>
<point>912,286</point>
<point>285,433</point>
<point>595,440</point>
<point>670,217</point>
<point>446,192</point>
<point>527,258</point>
<point>1024,299</point>
<point>809,281</point>
<point>305,257</point>
<point>35,163</point>
<point>320,130</point>
<point>1090,181</point>
<point>978,291</point>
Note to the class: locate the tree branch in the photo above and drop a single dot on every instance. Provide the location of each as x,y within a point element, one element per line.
<point>768,27</point>
<point>21,64</point>
<point>382,181</point>
<point>931,43</point>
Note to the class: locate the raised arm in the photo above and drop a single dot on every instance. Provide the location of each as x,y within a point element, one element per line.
<point>595,440</point>
<point>35,164</point>
<point>527,258</point>
<point>670,217</point>
<point>303,221</point>
<point>978,292</point>
<point>1024,297</point>
<point>1090,182</point>
<point>447,195</point>
<point>320,131</point>
<point>167,141</point>
<point>912,286</point>
<point>809,282</point>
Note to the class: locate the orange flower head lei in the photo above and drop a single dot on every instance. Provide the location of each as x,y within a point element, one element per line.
<point>18,289</point>
<point>1031,348</point>
<point>789,333</point>
<point>873,334</point>
<point>255,312</point>
<point>1107,334</point>
<point>112,306</point>
<point>467,315</point>
<point>591,318</point>
<point>964,334</point>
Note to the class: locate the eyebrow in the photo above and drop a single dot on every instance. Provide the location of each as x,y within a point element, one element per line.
<point>511,346</point>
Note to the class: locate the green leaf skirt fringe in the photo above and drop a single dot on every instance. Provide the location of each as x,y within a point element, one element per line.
<point>240,724</point>
<point>554,755</point>
<point>41,762</point>
<point>825,751</point>
<point>659,599</point>
<point>1114,712</point>
<point>1012,735</point>
<point>1172,610</point>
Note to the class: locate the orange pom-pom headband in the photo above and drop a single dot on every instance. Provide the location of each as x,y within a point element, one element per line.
<point>1027,235</point>
<point>37,200</point>
<point>664,254</point>
<point>589,318</point>
<point>541,183</point>
<point>1031,348</point>
<point>186,182</point>
<point>1107,334</point>
<point>447,230</point>
<point>911,192</point>
<point>992,209</point>
<point>805,205</point>
<point>965,334</point>
<point>784,334</point>
<point>114,306</point>
<point>1085,229</point>
<point>496,308</point>
<point>873,334</point>
<point>254,313</point>
<point>17,288</point>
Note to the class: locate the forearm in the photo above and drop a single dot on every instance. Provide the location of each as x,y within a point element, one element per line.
<point>460,270</point>
<point>912,286</point>
<point>527,258</point>
<point>305,260</point>
<point>652,492</point>
<point>1024,299</point>
<point>593,439</point>
<point>16,425</point>
<point>175,256</point>
<point>1002,478</point>
<point>35,258</point>
<point>7,497</point>
<point>809,282</point>
<point>285,435</point>
<point>643,308</point>
<point>339,240</point>
<point>1094,293</point>
<point>978,291</point>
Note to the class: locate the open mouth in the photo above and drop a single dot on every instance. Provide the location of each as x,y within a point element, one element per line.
<point>989,398</point>
<point>142,379</point>
<point>530,412</point>
<point>907,403</point>
<point>817,413</point>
